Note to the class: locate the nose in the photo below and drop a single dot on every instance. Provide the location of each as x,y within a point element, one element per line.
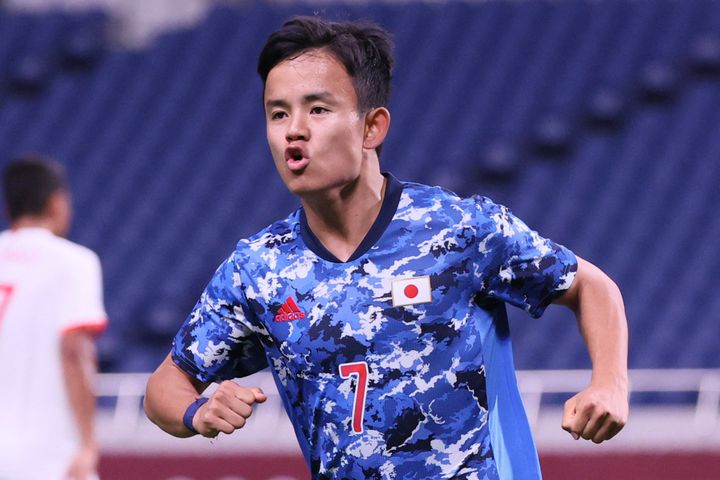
<point>297,129</point>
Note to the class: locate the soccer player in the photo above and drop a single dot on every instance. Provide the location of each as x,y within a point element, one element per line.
<point>50,309</point>
<point>379,305</point>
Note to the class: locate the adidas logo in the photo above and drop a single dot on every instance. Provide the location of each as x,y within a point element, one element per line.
<point>289,311</point>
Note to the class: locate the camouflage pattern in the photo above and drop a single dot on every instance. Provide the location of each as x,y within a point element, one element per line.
<point>426,408</point>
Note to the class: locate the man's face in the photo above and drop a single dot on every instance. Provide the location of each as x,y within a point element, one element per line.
<point>313,125</point>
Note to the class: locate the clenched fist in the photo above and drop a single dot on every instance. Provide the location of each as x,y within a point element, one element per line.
<point>596,413</point>
<point>227,410</point>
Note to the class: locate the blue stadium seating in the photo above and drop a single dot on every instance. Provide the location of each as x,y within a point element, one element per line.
<point>593,120</point>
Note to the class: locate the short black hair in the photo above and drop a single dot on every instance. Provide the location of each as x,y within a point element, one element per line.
<point>364,49</point>
<point>28,183</point>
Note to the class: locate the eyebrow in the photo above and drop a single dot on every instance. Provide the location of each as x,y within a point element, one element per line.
<point>324,96</point>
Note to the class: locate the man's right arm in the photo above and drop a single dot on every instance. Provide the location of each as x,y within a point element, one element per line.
<point>171,390</point>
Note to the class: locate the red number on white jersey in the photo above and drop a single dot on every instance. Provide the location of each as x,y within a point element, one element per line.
<point>361,370</point>
<point>5,292</point>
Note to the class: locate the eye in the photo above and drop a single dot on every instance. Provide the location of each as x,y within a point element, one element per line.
<point>319,110</point>
<point>277,115</point>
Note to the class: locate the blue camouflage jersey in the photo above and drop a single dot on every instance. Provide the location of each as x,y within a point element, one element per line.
<point>396,364</point>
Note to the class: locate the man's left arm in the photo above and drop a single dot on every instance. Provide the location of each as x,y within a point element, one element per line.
<point>79,365</point>
<point>601,410</point>
<point>81,319</point>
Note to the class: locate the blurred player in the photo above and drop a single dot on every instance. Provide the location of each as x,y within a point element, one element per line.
<point>50,309</point>
<point>380,305</point>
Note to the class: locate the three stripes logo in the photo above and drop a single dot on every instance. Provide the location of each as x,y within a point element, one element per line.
<point>289,311</point>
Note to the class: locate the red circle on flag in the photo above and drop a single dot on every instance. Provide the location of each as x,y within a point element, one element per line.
<point>411,291</point>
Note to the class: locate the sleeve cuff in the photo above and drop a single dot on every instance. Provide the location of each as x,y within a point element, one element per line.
<point>93,326</point>
<point>563,284</point>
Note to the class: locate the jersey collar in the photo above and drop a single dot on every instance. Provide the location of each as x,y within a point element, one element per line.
<point>32,231</point>
<point>393,192</point>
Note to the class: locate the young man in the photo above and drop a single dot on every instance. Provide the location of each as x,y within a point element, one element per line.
<point>380,305</point>
<point>50,308</point>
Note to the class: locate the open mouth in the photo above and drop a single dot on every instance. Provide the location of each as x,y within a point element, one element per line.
<point>293,153</point>
<point>295,158</point>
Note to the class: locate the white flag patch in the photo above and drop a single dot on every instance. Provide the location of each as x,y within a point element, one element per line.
<point>411,291</point>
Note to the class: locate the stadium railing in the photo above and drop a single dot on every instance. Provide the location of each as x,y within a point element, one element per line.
<point>686,417</point>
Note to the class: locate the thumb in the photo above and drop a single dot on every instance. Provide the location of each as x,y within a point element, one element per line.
<point>260,396</point>
<point>568,419</point>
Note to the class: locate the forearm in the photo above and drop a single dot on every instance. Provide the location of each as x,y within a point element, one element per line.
<point>169,392</point>
<point>605,332</point>
<point>79,369</point>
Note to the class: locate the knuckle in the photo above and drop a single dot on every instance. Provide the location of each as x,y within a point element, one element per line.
<point>220,395</point>
<point>227,388</point>
<point>249,397</point>
<point>215,409</point>
<point>244,396</point>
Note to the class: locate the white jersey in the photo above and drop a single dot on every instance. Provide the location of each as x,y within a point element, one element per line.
<point>48,286</point>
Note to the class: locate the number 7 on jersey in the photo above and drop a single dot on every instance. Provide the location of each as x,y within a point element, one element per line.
<point>361,370</point>
<point>5,292</point>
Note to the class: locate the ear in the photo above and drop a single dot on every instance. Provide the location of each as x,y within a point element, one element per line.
<point>377,124</point>
<point>54,205</point>
<point>59,211</point>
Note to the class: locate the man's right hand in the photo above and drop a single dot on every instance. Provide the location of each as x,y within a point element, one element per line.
<point>84,464</point>
<point>227,410</point>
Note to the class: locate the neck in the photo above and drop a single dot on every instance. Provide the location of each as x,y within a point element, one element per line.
<point>32,222</point>
<point>341,218</point>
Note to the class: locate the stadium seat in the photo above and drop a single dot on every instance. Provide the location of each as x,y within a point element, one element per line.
<point>705,53</point>
<point>169,165</point>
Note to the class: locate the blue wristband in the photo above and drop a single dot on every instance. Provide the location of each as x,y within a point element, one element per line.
<point>190,413</point>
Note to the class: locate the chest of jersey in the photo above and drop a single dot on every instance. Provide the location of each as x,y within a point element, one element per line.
<point>411,298</point>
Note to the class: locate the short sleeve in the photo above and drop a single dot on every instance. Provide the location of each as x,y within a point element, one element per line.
<point>515,264</point>
<point>83,299</point>
<point>217,341</point>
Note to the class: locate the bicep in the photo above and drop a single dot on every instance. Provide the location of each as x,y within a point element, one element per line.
<point>588,276</point>
<point>78,346</point>
<point>170,375</point>
<point>168,393</point>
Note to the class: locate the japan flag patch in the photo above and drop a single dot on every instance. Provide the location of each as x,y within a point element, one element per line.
<point>411,291</point>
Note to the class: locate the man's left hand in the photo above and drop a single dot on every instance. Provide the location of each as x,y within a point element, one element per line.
<point>597,413</point>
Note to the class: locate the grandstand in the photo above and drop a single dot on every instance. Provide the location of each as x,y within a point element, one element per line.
<point>595,121</point>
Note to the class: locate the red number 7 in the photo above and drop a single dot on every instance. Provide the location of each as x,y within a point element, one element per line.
<point>5,292</point>
<point>361,370</point>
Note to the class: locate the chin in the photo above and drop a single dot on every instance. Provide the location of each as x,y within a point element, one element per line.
<point>300,189</point>
<point>296,184</point>
<point>302,184</point>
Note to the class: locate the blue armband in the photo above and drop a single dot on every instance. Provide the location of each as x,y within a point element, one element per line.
<point>190,413</point>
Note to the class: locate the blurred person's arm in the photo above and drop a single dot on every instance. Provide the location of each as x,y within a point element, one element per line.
<point>79,364</point>
<point>171,390</point>
<point>601,410</point>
